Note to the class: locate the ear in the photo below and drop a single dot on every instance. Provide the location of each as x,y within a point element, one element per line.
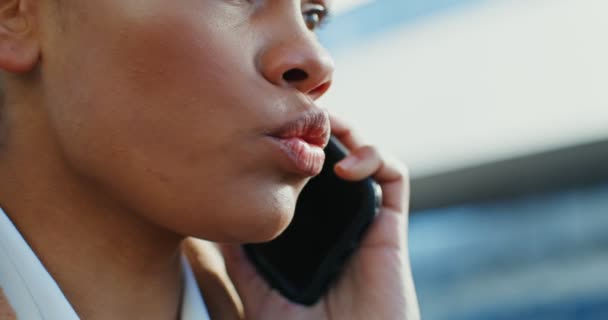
<point>19,47</point>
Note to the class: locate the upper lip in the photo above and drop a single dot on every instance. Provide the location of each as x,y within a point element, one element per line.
<point>312,126</point>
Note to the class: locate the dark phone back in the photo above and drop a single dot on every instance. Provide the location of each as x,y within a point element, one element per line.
<point>330,218</point>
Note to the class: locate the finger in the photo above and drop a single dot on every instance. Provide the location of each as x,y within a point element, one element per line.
<point>359,164</point>
<point>394,179</point>
<point>252,289</point>
<point>344,132</point>
<point>390,174</point>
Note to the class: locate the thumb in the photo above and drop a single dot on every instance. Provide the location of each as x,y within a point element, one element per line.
<point>251,287</point>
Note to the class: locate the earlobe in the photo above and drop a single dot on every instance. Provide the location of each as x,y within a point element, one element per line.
<point>19,49</point>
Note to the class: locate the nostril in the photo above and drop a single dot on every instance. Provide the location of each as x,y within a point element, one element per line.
<point>295,75</point>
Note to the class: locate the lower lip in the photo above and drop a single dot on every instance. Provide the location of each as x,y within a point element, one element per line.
<point>304,158</point>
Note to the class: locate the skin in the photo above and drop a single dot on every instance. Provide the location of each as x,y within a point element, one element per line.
<point>6,312</point>
<point>128,126</point>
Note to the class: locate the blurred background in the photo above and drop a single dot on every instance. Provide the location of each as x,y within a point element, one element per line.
<point>500,110</point>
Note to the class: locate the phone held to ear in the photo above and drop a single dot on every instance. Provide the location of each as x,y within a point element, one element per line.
<point>330,219</point>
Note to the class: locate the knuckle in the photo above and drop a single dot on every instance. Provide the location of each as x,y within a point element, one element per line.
<point>370,151</point>
<point>347,134</point>
<point>403,169</point>
<point>400,167</point>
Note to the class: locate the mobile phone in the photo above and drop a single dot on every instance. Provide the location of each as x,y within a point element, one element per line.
<point>330,218</point>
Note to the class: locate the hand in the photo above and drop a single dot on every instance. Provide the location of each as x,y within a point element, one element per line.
<point>375,284</point>
<point>6,312</point>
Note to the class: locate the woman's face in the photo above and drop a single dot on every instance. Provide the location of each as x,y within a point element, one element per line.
<point>167,106</point>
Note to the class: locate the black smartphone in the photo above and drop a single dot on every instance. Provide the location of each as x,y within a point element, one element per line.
<point>330,219</point>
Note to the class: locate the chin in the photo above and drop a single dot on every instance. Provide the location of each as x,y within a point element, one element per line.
<point>271,216</point>
<point>256,218</point>
<point>250,213</point>
<point>267,226</point>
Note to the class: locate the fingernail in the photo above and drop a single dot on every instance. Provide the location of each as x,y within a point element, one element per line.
<point>348,162</point>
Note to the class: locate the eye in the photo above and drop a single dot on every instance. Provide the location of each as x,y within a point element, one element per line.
<point>315,15</point>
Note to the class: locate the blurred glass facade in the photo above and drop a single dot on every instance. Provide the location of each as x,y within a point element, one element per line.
<point>534,257</point>
<point>379,16</point>
<point>528,258</point>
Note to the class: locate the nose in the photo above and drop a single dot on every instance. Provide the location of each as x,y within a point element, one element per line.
<point>299,62</point>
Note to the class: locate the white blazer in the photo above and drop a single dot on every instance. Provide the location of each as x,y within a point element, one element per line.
<point>34,295</point>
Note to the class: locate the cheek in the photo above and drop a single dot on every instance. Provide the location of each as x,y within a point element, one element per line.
<point>171,103</point>
<point>160,88</point>
<point>161,116</point>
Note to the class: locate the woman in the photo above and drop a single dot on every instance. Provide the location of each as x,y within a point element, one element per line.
<point>127,126</point>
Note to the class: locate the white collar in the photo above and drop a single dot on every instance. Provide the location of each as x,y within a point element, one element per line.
<point>34,295</point>
<point>193,305</point>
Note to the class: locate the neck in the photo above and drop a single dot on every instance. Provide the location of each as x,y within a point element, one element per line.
<point>109,262</point>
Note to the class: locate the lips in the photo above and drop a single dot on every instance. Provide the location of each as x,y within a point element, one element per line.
<point>312,127</point>
<point>302,141</point>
